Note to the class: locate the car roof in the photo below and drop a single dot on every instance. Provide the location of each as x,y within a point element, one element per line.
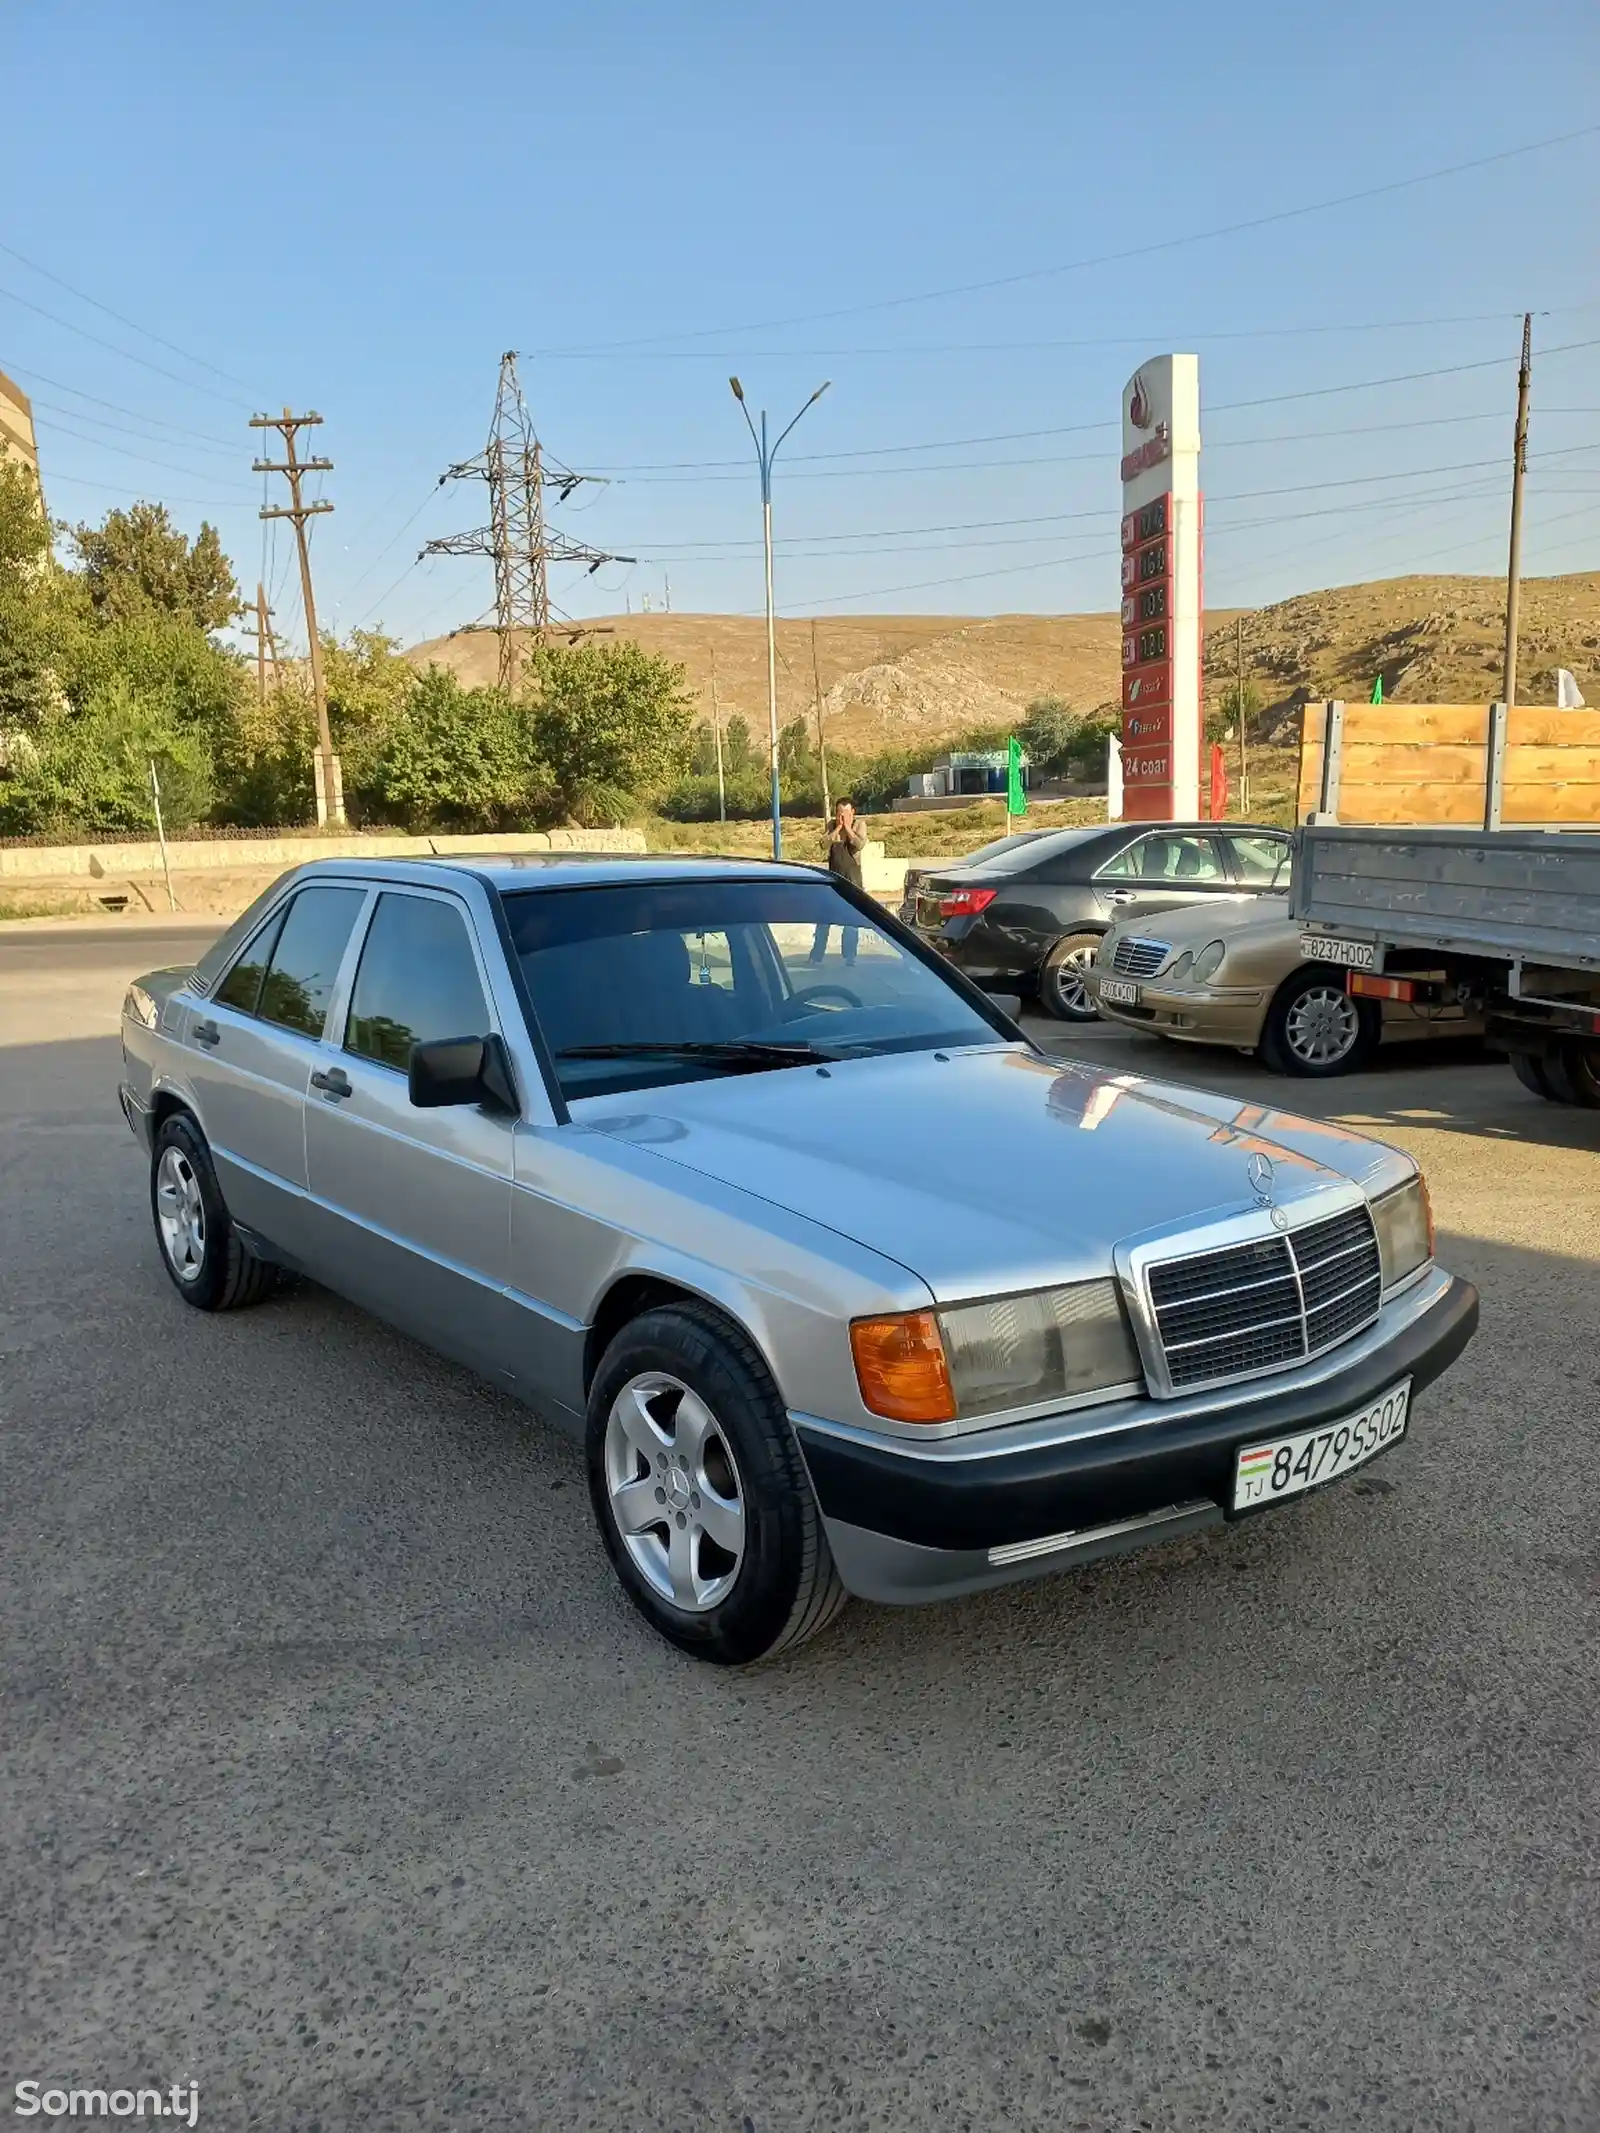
<point>552,870</point>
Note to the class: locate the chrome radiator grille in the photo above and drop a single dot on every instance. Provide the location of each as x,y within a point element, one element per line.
<point>1138,959</point>
<point>1268,1304</point>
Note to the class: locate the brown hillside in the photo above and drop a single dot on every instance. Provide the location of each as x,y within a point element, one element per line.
<point>889,680</point>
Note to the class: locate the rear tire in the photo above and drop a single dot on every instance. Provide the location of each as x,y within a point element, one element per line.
<point>701,1496</point>
<point>1316,1029</point>
<point>1569,1073</point>
<point>1529,1070</point>
<point>209,1263</point>
<point>1062,990</point>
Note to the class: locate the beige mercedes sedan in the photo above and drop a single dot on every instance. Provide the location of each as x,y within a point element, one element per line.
<point>1234,974</point>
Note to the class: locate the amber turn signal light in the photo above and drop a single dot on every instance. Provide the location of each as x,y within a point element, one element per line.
<point>901,1367</point>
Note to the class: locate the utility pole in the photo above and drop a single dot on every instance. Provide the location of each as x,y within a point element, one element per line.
<point>516,539</point>
<point>1519,467</point>
<point>330,782</point>
<point>716,727</point>
<point>266,643</point>
<point>1238,705</point>
<point>822,746</point>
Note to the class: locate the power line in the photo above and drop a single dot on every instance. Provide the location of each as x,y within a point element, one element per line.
<point>895,350</point>
<point>189,384</point>
<point>658,472</point>
<point>83,297</point>
<point>154,421</point>
<point>113,488</point>
<point>1141,251</point>
<point>104,445</point>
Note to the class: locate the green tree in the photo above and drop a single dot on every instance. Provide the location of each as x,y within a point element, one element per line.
<point>611,721</point>
<point>703,750</point>
<point>797,757</point>
<point>1048,732</point>
<point>738,749</point>
<point>1238,699</point>
<point>138,560</point>
<point>369,683</point>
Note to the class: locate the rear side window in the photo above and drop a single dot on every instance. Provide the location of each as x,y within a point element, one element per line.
<point>417,982</point>
<point>305,958</point>
<point>1257,857</point>
<point>1165,859</point>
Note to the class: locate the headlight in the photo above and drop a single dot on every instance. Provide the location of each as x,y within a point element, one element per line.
<point>1209,961</point>
<point>1404,1220</point>
<point>978,1359</point>
<point>1180,969</point>
<point>139,1007</point>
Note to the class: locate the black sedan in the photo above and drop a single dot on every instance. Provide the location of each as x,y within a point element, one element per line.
<point>1028,919</point>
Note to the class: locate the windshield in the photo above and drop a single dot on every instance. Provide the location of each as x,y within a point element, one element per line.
<point>721,969</point>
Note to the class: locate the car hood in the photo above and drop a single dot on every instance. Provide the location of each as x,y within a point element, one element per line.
<point>991,1170</point>
<point>1192,925</point>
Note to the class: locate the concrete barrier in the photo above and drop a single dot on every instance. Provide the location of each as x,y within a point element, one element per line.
<point>93,862</point>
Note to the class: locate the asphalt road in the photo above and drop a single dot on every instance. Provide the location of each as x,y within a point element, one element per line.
<point>336,1776</point>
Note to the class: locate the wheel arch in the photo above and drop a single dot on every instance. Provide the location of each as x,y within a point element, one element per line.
<point>637,1290</point>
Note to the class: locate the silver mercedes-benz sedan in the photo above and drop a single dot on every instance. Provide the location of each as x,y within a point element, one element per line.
<point>843,1285</point>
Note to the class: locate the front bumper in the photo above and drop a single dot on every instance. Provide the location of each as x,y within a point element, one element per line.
<point>1192,1016</point>
<point>924,1522</point>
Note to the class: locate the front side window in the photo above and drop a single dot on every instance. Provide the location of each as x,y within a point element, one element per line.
<point>286,974</point>
<point>637,986</point>
<point>417,982</point>
<point>1166,860</point>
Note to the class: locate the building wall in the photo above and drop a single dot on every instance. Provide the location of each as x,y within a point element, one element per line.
<point>16,425</point>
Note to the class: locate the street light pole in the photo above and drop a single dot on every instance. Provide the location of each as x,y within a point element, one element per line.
<point>765,455</point>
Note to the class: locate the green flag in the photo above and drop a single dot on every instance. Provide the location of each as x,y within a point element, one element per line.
<point>1016,799</point>
<point>1377,690</point>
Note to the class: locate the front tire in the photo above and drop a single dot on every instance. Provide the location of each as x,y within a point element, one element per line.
<point>1063,986</point>
<point>209,1263</point>
<point>1316,1029</point>
<point>700,1493</point>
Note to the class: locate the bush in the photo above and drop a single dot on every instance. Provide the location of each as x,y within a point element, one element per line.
<point>456,757</point>
<point>88,771</point>
<point>612,722</point>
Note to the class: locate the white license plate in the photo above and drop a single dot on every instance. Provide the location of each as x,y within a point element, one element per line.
<point>1122,991</point>
<point>1287,1466</point>
<point>1354,955</point>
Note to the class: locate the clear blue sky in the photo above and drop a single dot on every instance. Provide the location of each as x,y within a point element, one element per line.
<point>357,207</point>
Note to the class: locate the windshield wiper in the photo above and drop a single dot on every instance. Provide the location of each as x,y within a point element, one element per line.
<point>748,1052</point>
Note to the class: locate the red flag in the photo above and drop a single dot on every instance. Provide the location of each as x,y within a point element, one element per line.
<point>1219,782</point>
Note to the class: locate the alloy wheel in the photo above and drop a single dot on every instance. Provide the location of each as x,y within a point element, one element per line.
<point>674,1491</point>
<point>1322,1026</point>
<point>1070,981</point>
<point>180,1214</point>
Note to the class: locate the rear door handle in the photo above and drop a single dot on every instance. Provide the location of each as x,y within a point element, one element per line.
<point>335,1082</point>
<point>206,1033</point>
<point>1121,896</point>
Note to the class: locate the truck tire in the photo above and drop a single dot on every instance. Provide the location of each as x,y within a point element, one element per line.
<point>1529,1070</point>
<point>1315,1028</point>
<point>1569,1069</point>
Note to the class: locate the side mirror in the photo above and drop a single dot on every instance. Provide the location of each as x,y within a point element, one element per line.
<point>461,1070</point>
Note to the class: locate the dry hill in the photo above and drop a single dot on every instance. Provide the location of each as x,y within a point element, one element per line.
<point>888,680</point>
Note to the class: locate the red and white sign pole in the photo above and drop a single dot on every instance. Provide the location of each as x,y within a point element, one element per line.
<point>1162,729</point>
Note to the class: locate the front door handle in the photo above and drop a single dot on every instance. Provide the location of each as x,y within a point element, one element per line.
<point>335,1083</point>
<point>207,1033</point>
